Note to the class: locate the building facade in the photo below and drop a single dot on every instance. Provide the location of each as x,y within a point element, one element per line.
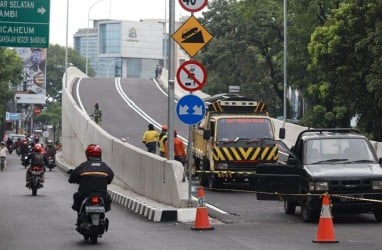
<point>123,48</point>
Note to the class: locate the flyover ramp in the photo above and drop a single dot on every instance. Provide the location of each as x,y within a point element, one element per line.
<point>136,171</point>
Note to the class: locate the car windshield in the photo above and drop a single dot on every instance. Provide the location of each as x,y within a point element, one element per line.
<point>338,150</point>
<point>249,128</point>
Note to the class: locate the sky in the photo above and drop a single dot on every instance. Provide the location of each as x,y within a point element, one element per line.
<point>132,10</point>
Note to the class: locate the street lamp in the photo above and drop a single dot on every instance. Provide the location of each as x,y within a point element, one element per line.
<point>87,36</point>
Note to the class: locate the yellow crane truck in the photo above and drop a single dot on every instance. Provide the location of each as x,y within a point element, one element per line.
<point>235,135</point>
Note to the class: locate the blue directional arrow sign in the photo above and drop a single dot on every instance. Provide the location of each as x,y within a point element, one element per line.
<point>190,109</point>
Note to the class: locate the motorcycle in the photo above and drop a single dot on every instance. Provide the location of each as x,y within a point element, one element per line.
<point>35,179</point>
<point>10,148</point>
<point>25,160</point>
<point>91,221</point>
<point>18,152</point>
<point>51,163</point>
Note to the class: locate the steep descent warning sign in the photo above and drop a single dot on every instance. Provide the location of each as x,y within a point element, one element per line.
<point>192,36</point>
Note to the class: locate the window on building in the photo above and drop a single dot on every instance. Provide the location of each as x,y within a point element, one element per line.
<point>109,38</point>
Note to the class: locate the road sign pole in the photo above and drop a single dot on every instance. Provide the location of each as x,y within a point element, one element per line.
<point>171,82</point>
<point>189,162</point>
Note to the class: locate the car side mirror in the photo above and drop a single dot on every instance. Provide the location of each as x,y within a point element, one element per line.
<point>206,134</point>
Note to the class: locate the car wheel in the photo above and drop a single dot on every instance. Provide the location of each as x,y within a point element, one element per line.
<point>378,215</point>
<point>289,207</point>
<point>307,214</point>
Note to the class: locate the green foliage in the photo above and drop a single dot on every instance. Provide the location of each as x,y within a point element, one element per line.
<point>10,75</point>
<point>56,69</point>
<point>346,57</point>
<point>51,114</point>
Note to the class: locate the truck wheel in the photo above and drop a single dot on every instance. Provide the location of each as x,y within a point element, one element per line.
<point>378,215</point>
<point>307,214</point>
<point>289,207</point>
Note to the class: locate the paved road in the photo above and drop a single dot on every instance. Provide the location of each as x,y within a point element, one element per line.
<point>46,222</point>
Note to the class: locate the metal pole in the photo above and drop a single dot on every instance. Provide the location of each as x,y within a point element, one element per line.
<point>165,37</point>
<point>285,60</point>
<point>171,82</point>
<point>66,44</point>
<point>189,165</point>
<point>87,37</point>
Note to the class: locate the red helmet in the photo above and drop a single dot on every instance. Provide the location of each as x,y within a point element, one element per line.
<point>94,151</point>
<point>164,128</point>
<point>37,148</point>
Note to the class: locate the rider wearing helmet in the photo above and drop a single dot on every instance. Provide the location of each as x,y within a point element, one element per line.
<point>93,176</point>
<point>36,158</point>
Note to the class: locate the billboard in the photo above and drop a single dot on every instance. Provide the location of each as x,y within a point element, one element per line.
<point>32,90</point>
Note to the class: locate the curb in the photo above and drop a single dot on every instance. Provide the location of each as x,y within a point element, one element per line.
<point>141,208</point>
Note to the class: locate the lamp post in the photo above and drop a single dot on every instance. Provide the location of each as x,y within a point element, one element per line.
<point>66,43</point>
<point>87,36</point>
<point>285,59</point>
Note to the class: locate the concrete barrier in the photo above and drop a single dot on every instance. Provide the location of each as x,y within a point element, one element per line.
<point>144,173</point>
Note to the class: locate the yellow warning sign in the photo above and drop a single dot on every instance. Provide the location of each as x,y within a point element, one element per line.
<point>192,36</point>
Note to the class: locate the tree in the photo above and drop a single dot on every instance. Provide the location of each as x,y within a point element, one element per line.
<point>345,58</point>
<point>10,74</point>
<point>51,114</point>
<point>245,50</point>
<point>56,69</point>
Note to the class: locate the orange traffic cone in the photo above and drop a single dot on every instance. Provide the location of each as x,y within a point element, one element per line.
<point>201,220</point>
<point>325,232</point>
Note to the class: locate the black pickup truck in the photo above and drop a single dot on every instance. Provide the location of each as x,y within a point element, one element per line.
<point>339,162</point>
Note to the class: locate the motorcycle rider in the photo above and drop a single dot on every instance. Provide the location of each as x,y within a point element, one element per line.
<point>50,150</point>
<point>24,148</point>
<point>93,176</point>
<point>36,158</point>
<point>9,144</point>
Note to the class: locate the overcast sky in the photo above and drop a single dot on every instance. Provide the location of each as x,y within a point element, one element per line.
<point>114,9</point>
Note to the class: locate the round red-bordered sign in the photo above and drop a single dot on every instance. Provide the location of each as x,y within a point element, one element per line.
<point>191,75</point>
<point>193,5</point>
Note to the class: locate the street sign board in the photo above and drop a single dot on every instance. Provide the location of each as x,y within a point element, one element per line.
<point>193,5</point>
<point>191,75</point>
<point>192,36</point>
<point>190,109</point>
<point>24,23</point>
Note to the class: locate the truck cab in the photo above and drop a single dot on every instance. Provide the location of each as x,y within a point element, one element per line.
<point>235,135</point>
<point>339,162</point>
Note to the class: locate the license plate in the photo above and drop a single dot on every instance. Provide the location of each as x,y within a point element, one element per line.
<point>36,172</point>
<point>94,209</point>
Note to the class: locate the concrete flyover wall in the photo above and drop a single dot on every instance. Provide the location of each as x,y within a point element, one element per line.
<point>137,170</point>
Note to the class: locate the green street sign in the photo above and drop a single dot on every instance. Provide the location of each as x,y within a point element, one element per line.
<point>24,23</point>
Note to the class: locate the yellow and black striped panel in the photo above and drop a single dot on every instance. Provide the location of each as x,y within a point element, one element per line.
<point>269,153</point>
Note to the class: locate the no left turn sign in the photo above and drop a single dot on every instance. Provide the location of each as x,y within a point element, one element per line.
<point>193,5</point>
<point>191,75</point>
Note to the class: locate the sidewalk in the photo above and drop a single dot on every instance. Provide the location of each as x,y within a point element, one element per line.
<point>152,210</point>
